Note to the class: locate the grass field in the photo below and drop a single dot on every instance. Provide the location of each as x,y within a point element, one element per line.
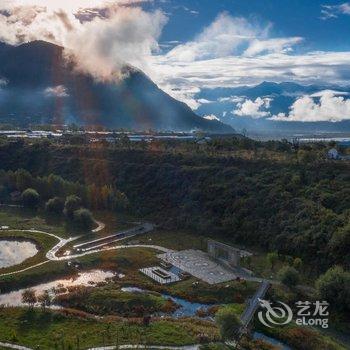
<point>113,224</point>
<point>303,338</point>
<point>54,330</point>
<point>178,240</point>
<point>21,219</point>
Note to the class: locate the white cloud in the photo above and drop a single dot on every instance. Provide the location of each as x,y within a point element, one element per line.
<point>102,36</point>
<point>271,45</point>
<point>333,11</point>
<point>129,36</point>
<point>211,117</point>
<point>255,109</point>
<point>56,91</point>
<point>333,92</point>
<point>222,38</point>
<point>228,36</point>
<point>231,99</point>
<point>184,79</point>
<point>101,45</point>
<point>326,108</point>
<point>232,52</point>
<point>204,101</point>
<point>67,5</point>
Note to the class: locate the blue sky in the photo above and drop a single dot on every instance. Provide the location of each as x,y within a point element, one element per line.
<point>288,18</point>
<point>302,41</point>
<point>186,46</point>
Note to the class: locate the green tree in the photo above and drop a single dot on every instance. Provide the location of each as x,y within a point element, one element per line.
<point>84,219</point>
<point>228,323</point>
<point>334,287</point>
<point>297,263</point>
<point>54,205</point>
<point>340,245</point>
<point>71,204</point>
<point>289,276</point>
<point>23,179</point>
<point>30,198</point>
<point>56,184</point>
<point>272,258</point>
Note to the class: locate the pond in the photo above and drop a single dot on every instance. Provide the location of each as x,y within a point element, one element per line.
<point>89,278</point>
<point>15,252</point>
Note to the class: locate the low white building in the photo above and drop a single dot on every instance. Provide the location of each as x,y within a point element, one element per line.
<point>333,154</point>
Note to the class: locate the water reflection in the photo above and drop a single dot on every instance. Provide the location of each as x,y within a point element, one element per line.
<point>60,286</point>
<point>15,252</point>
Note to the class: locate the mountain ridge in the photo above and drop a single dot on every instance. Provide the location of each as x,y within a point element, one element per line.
<point>222,102</point>
<point>41,87</point>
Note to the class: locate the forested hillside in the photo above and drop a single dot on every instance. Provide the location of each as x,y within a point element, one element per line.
<point>273,195</point>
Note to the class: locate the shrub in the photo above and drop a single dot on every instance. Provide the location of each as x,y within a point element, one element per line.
<point>272,259</point>
<point>297,263</point>
<point>83,219</point>
<point>334,287</point>
<point>289,276</point>
<point>340,244</point>
<point>228,323</point>
<point>71,204</point>
<point>30,198</point>
<point>54,205</point>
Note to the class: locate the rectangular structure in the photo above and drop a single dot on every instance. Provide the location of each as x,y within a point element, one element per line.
<point>224,253</point>
<point>200,265</point>
<point>160,275</point>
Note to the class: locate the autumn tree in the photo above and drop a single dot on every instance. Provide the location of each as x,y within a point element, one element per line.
<point>29,297</point>
<point>44,299</point>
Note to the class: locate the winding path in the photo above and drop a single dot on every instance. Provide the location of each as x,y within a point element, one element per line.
<point>126,346</point>
<point>51,255</point>
<point>14,346</point>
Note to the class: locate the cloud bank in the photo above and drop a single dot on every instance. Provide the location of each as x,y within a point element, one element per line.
<point>56,91</point>
<point>333,11</point>
<point>100,36</point>
<point>255,109</point>
<point>329,107</point>
<point>233,52</point>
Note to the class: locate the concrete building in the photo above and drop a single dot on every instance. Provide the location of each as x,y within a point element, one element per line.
<point>225,254</point>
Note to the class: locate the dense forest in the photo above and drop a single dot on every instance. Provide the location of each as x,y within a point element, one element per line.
<point>274,195</point>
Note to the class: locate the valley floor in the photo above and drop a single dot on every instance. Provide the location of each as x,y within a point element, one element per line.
<point>107,313</point>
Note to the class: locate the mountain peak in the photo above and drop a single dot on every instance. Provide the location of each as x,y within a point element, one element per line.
<point>43,88</point>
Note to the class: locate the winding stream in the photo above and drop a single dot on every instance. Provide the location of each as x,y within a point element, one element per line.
<point>186,308</point>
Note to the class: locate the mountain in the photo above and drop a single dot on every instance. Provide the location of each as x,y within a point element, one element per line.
<point>222,102</point>
<point>37,85</point>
